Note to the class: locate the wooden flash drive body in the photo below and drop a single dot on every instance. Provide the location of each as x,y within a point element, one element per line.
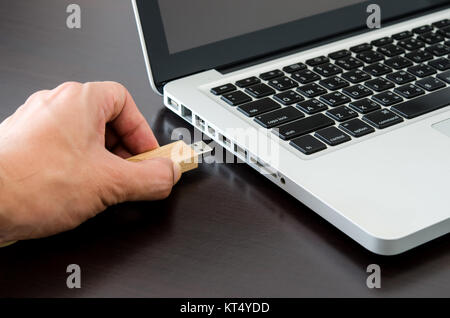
<point>178,151</point>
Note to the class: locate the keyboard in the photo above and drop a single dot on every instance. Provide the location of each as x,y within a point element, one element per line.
<point>329,100</point>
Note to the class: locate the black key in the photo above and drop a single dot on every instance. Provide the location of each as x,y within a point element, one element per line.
<point>445,76</point>
<point>364,106</point>
<point>334,83</point>
<point>430,83</point>
<point>294,68</point>
<point>421,70</point>
<point>423,104</point>
<point>332,136</point>
<point>222,89</point>
<point>317,60</point>
<point>335,99</point>
<point>258,107</point>
<point>305,76</point>
<point>370,56</point>
<point>342,113</point>
<point>307,144</point>
<point>422,29</point>
<point>387,98</point>
<point>259,90</point>
<point>288,98</point>
<point>431,38</point>
<point>271,74</point>
<point>312,90</point>
<point>377,69</point>
<point>445,31</point>
<point>441,23</point>
<point>398,62</point>
<point>438,49</point>
<point>419,56</point>
<point>411,44</point>
<point>312,106</point>
<point>236,98</point>
<point>248,81</point>
<point>361,47</point>
<point>356,76</point>
<point>303,126</point>
<point>327,69</point>
<point>357,91</point>
<point>379,84</point>
<point>349,63</point>
<point>339,54</point>
<point>279,117</point>
<point>383,41</point>
<point>402,35</point>
<point>382,118</point>
<point>391,50</point>
<point>441,64</point>
<point>356,128</point>
<point>282,83</point>
<point>409,91</point>
<point>401,77</point>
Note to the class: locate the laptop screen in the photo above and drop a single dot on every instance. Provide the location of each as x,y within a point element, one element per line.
<point>184,37</point>
<point>205,21</point>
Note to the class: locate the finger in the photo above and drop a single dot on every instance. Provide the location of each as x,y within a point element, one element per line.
<point>121,112</point>
<point>111,139</point>
<point>112,143</point>
<point>146,180</point>
<point>121,151</point>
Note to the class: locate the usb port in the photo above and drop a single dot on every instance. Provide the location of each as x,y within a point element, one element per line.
<point>211,131</point>
<point>186,113</point>
<point>225,141</point>
<point>200,123</point>
<point>172,103</point>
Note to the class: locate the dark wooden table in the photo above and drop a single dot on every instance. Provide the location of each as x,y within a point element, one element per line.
<point>225,230</point>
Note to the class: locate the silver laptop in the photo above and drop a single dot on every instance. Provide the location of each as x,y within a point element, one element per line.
<point>347,115</point>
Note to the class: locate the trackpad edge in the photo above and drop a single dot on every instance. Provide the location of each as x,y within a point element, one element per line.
<point>443,127</point>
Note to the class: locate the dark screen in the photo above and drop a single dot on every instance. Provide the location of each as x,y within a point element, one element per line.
<point>193,23</point>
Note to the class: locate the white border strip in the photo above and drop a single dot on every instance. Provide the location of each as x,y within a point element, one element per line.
<point>144,48</point>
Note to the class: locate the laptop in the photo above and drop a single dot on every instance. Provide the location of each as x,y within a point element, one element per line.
<point>349,117</point>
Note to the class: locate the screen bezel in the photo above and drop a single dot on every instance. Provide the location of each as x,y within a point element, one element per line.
<point>228,52</point>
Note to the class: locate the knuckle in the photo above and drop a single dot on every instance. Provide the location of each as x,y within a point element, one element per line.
<point>37,96</point>
<point>66,90</point>
<point>116,85</point>
<point>114,187</point>
<point>68,86</point>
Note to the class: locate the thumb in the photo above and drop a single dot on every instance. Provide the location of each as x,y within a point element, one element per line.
<point>151,179</point>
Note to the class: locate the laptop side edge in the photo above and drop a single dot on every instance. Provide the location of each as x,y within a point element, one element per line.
<point>144,48</point>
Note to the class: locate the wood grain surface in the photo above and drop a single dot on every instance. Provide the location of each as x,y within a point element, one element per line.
<point>224,231</point>
<point>177,151</point>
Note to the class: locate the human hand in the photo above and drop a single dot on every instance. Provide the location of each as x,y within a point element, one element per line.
<point>62,159</point>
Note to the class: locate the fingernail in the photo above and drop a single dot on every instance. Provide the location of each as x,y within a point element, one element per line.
<point>176,172</point>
